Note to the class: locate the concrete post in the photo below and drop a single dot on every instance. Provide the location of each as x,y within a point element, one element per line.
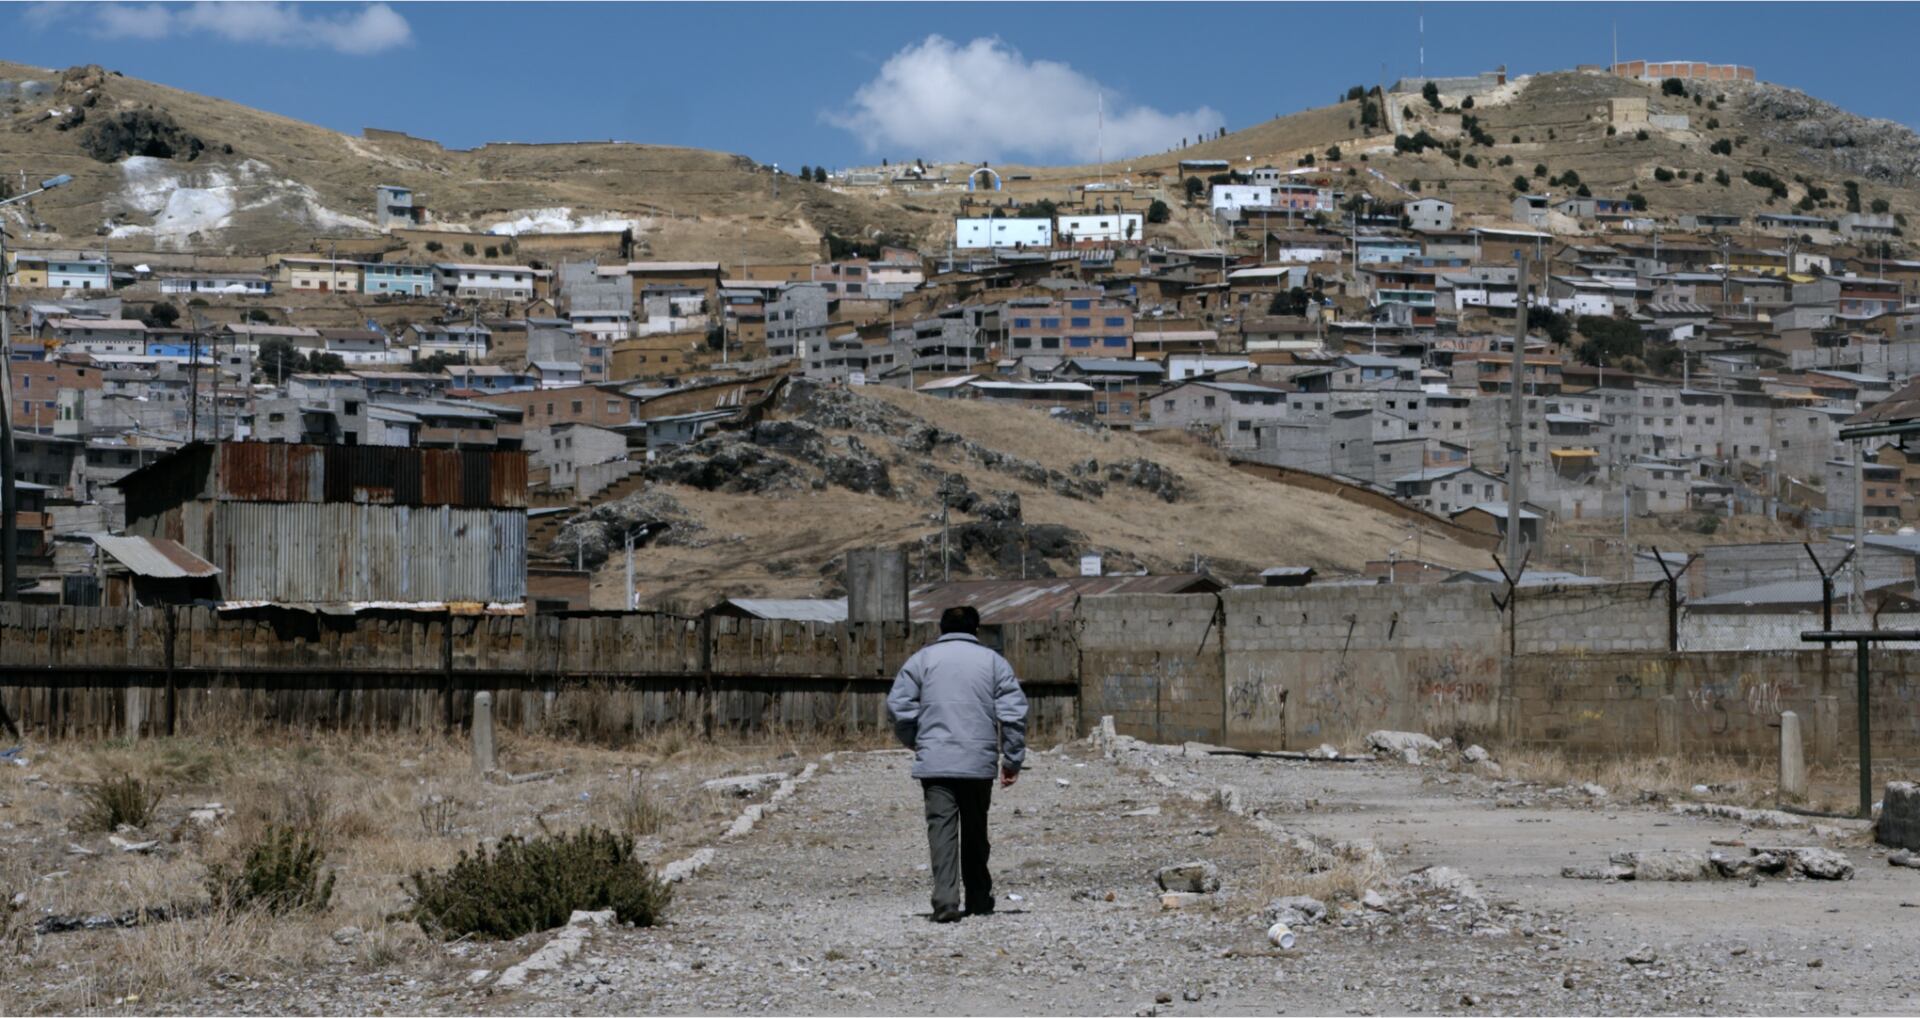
<point>1667,721</point>
<point>483,733</point>
<point>1826,728</point>
<point>1793,762</point>
<point>1899,825</point>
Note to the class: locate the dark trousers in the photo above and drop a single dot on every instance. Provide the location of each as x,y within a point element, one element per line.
<point>957,839</point>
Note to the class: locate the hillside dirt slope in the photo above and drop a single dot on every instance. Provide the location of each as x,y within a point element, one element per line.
<point>157,168</point>
<point>772,511</point>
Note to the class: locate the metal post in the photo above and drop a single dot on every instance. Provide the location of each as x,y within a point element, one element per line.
<point>628,599</point>
<point>1866,729</point>
<point>943,540</point>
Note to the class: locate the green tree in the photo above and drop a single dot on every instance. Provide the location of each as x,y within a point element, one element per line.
<point>162,315</point>
<point>1720,177</point>
<point>819,174</point>
<point>1520,184</point>
<point>1356,93</point>
<point>1333,154</point>
<point>277,358</point>
<point>1551,322</point>
<point>1194,187</point>
<point>1431,93</point>
<point>1369,115</point>
<point>1637,200</point>
<point>1158,212</point>
<point>1662,174</point>
<point>1539,169</point>
<point>1673,86</point>
<point>258,315</point>
<point>1467,103</point>
<point>1879,206</point>
<point>1608,340</point>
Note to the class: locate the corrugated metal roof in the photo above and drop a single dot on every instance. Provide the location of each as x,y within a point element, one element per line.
<point>797,609</point>
<point>155,557</point>
<point>1036,600</point>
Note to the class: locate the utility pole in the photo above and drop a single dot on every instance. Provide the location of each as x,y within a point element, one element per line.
<point>1626,531</point>
<point>1859,526</point>
<point>9,509</point>
<point>1516,409</point>
<point>943,542</point>
<point>629,595</point>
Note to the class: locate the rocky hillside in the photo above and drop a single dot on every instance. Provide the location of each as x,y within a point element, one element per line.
<point>159,168</point>
<point>770,511</point>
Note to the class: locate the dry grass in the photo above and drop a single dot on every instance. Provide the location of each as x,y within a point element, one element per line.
<point>361,796</point>
<point>1730,780</point>
<point>1290,871</point>
<point>1250,523</point>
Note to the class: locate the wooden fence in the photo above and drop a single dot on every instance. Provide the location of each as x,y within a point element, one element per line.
<point>101,672</point>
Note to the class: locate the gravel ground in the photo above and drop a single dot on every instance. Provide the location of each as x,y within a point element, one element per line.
<point>823,909</point>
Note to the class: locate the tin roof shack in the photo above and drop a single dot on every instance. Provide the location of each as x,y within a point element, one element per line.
<point>321,526</point>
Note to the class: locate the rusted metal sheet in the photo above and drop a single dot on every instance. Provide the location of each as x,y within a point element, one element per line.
<point>377,475</point>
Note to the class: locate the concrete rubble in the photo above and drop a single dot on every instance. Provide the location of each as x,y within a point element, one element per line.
<point>1810,862</point>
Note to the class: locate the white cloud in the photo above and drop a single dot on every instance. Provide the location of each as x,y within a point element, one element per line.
<point>371,28</point>
<point>937,99</point>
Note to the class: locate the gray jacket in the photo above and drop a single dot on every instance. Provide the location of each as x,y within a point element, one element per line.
<point>945,704</point>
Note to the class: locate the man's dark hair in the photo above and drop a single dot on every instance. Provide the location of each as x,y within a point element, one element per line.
<point>961,619</point>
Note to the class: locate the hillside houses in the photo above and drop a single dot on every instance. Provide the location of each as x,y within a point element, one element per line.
<point>1708,367</point>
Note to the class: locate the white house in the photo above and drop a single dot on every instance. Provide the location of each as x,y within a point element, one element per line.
<point>1430,214</point>
<point>1231,198</point>
<point>974,233</point>
<point>484,282</point>
<point>106,336</point>
<point>469,341</point>
<point>1109,227</point>
<point>238,283</point>
<point>79,274</point>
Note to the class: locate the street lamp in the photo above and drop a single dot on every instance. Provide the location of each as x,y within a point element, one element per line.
<point>9,511</point>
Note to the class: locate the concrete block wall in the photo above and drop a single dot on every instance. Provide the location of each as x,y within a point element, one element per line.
<point>1716,703</point>
<point>1308,665</point>
<point>1590,619</point>
<point>1748,632</point>
<point>1152,662</point>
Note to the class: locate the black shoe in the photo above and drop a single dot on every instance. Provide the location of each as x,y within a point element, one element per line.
<point>986,909</point>
<point>948,915</point>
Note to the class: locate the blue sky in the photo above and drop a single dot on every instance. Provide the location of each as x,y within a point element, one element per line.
<point>843,84</point>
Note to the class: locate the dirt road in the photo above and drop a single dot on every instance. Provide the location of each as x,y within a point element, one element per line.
<point>824,908</point>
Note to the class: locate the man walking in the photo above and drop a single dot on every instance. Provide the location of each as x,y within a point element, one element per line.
<point>958,706</point>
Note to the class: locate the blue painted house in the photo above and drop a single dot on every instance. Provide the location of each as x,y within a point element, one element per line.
<point>399,279</point>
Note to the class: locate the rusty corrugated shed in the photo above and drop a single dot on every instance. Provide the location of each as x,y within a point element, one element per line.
<point>383,475</point>
<point>280,472</point>
<point>1037,600</point>
<point>304,552</point>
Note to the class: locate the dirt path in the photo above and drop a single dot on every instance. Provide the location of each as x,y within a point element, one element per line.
<point>824,909</point>
<point>1515,843</point>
